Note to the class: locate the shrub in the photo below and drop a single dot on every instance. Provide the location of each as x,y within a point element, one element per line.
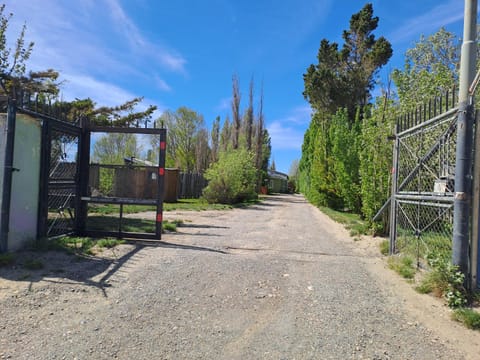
<point>469,317</point>
<point>445,280</point>
<point>232,178</point>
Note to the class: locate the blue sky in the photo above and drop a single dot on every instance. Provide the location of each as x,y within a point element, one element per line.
<point>184,53</point>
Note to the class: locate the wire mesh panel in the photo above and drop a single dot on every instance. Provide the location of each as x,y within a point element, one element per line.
<point>424,228</point>
<point>425,187</point>
<point>62,183</point>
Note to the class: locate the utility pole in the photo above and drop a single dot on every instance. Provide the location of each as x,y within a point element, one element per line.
<point>463,164</point>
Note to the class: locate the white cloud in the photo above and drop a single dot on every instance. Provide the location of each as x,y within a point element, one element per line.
<point>92,44</point>
<point>441,15</point>
<point>287,132</point>
<point>299,115</point>
<point>285,137</point>
<point>168,58</point>
<point>162,84</point>
<point>103,93</point>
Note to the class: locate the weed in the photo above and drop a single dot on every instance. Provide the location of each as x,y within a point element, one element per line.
<point>470,318</point>
<point>444,279</point>
<point>403,265</point>
<point>6,259</point>
<point>352,222</point>
<point>424,288</point>
<point>74,245</point>
<point>33,264</point>
<point>109,243</point>
<point>385,247</point>
<point>169,226</point>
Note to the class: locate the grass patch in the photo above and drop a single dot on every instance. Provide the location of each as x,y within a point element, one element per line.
<point>111,223</point>
<point>385,247</point>
<point>33,264</point>
<point>169,226</point>
<point>429,244</point>
<point>6,259</point>
<point>403,265</point>
<point>109,243</point>
<point>470,318</point>
<point>73,245</point>
<point>108,209</point>
<point>352,222</point>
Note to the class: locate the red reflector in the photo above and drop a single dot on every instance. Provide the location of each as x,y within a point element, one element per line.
<point>159,217</point>
<point>163,145</point>
<point>161,171</point>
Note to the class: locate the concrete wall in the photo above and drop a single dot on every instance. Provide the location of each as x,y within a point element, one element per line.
<point>25,182</point>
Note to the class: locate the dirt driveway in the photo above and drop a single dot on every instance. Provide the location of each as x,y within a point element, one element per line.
<point>278,280</point>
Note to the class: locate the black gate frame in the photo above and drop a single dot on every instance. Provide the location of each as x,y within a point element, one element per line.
<point>53,119</point>
<point>85,197</point>
<point>50,124</point>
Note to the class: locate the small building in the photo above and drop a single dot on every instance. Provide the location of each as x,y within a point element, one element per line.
<point>277,182</point>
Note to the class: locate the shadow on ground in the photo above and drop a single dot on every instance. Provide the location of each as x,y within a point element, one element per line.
<point>61,267</point>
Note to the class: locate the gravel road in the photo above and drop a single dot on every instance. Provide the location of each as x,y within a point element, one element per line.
<point>278,280</point>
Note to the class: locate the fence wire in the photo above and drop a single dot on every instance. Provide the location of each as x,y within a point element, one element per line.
<point>425,188</point>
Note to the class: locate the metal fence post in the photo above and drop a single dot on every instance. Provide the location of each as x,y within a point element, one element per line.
<point>393,201</point>
<point>463,164</point>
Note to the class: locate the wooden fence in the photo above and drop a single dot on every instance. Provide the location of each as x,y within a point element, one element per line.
<point>140,182</point>
<point>191,185</point>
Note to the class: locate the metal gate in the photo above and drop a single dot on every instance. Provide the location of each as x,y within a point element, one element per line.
<point>423,181</point>
<point>59,188</point>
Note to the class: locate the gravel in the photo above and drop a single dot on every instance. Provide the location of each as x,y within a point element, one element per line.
<point>278,280</point>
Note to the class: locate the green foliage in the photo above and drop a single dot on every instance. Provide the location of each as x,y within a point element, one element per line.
<point>444,279</point>
<point>6,259</point>
<point>375,157</point>
<point>13,67</point>
<point>431,68</point>
<point>109,243</point>
<point>232,179</point>
<point>469,317</point>
<point>112,148</point>
<point>351,221</point>
<point>346,164</point>
<point>106,209</point>
<point>73,244</point>
<point>185,128</point>
<point>343,78</point>
<point>169,226</point>
<point>403,265</point>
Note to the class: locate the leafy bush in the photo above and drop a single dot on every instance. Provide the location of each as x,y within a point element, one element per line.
<point>445,280</point>
<point>232,178</point>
